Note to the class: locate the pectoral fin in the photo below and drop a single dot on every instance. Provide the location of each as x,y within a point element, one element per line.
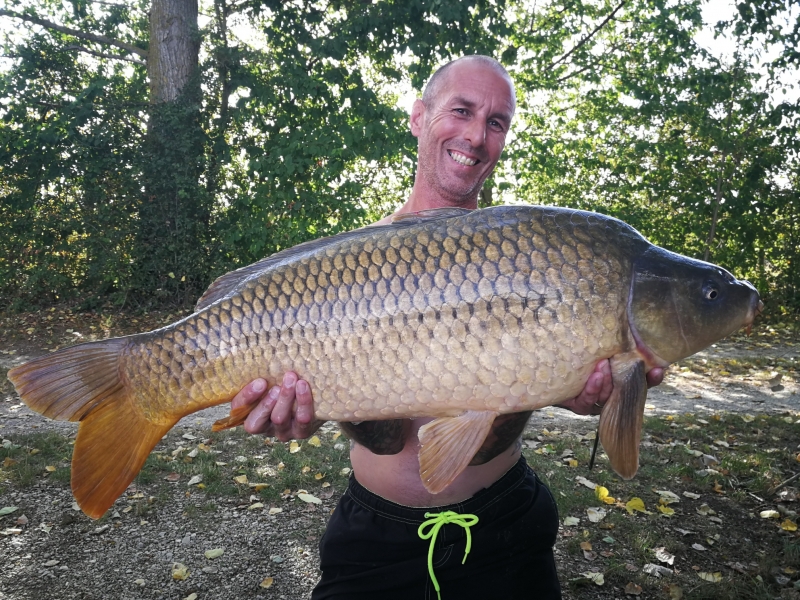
<point>623,414</point>
<point>236,417</point>
<point>447,446</point>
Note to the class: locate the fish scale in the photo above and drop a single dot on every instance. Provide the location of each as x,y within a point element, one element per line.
<point>452,314</point>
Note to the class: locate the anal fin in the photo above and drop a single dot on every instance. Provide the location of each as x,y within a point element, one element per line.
<point>236,417</point>
<point>623,414</point>
<point>448,444</point>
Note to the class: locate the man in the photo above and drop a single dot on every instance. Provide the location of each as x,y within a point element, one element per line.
<point>378,539</point>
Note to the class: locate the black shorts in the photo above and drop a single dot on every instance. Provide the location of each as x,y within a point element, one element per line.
<point>372,549</point>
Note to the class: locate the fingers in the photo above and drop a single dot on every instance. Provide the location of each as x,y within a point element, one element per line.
<point>258,421</point>
<point>249,394</point>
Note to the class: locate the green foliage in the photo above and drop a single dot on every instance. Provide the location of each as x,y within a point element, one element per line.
<point>290,130</point>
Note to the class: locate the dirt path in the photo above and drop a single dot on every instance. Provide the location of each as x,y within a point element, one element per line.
<point>59,553</point>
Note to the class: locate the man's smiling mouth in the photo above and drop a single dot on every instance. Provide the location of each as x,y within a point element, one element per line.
<point>461,159</point>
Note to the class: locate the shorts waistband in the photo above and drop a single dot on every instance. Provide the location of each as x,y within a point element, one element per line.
<point>476,504</point>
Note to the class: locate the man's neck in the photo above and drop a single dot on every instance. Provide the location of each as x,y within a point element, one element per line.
<point>419,200</point>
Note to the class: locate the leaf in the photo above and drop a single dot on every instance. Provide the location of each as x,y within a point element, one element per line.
<point>309,498</point>
<point>596,514</point>
<point>572,462</point>
<point>173,477</point>
<point>769,514</point>
<point>195,480</point>
<point>275,510</point>
<point>663,556</point>
<point>699,547</point>
<point>691,495</point>
<point>214,553</point>
<point>666,497</point>
<point>314,441</point>
<point>635,504</point>
<point>712,577</point>
<point>240,479</point>
<point>747,418</point>
<point>665,510</point>
<point>602,495</point>
<point>675,592</point>
<point>571,521</point>
<point>7,510</point>
<point>255,506</point>
<point>789,525</point>
<point>705,510</point>
<point>267,583</point>
<point>656,570</point>
<point>179,572</point>
<point>631,589</point>
<point>594,577</point>
<point>585,482</point>
<point>294,447</point>
<point>50,468</point>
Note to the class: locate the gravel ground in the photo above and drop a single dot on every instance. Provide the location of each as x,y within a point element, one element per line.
<point>61,554</point>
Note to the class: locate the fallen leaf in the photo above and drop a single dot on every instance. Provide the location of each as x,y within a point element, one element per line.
<point>50,468</point>
<point>319,476</point>
<point>666,497</point>
<point>699,547</point>
<point>691,495</point>
<point>240,479</point>
<point>309,498</point>
<point>294,448</point>
<point>585,482</point>
<point>586,545</point>
<point>665,510</point>
<point>705,510</point>
<point>635,504</point>
<point>656,570</point>
<point>712,577</point>
<point>257,487</point>
<point>267,583</point>
<point>345,471</point>
<point>275,511</point>
<point>214,553</point>
<point>663,556</point>
<point>255,506</point>
<point>769,514</point>
<point>747,418</point>
<point>596,514</point>
<point>572,462</point>
<point>195,480</point>
<point>571,521</point>
<point>173,477</point>
<point>602,495</point>
<point>594,577</point>
<point>631,589</point>
<point>7,510</point>
<point>314,441</point>
<point>179,572</point>
<point>191,596</point>
<point>675,592</point>
<point>789,525</point>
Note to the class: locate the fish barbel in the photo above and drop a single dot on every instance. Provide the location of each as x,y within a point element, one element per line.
<point>452,314</point>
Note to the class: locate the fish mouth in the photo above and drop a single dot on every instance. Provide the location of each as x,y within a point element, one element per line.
<point>756,308</point>
<point>462,159</point>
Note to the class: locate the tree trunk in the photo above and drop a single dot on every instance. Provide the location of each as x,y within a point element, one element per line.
<point>171,255</point>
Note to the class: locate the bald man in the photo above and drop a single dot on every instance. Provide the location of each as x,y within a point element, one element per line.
<point>390,538</point>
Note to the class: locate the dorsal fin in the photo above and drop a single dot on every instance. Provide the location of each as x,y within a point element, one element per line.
<point>230,282</point>
<point>430,214</point>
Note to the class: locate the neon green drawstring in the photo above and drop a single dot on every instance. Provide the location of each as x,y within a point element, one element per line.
<point>436,521</point>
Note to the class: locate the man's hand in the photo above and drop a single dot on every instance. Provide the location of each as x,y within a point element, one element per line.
<point>286,411</point>
<point>598,388</point>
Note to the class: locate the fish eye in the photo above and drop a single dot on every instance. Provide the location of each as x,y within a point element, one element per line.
<point>710,291</point>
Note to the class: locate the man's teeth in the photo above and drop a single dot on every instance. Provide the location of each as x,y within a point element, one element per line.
<point>461,159</point>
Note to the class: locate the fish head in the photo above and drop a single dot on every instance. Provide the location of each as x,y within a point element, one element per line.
<point>678,305</point>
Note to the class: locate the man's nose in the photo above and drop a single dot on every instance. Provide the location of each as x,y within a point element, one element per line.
<point>475,133</point>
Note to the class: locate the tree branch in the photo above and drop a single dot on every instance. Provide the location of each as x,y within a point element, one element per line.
<point>103,55</point>
<point>588,37</point>
<point>75,32</point>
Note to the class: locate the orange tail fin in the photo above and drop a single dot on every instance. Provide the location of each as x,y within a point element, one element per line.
<point>83,383</point>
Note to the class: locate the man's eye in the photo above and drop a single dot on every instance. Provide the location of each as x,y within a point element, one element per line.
<point>461,111</point>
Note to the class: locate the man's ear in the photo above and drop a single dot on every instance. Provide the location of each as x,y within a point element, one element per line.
<point>417,117</point>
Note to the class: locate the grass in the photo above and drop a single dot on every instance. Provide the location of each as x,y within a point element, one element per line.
<point>732,462</point>
<point>747,458</point>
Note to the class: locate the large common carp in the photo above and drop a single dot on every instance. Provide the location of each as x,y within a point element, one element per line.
<point>454,314</point>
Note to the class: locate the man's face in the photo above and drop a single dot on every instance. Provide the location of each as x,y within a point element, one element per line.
<point>462,133</point>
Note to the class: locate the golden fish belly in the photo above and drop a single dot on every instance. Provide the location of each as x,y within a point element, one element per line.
<point>430,320</point>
